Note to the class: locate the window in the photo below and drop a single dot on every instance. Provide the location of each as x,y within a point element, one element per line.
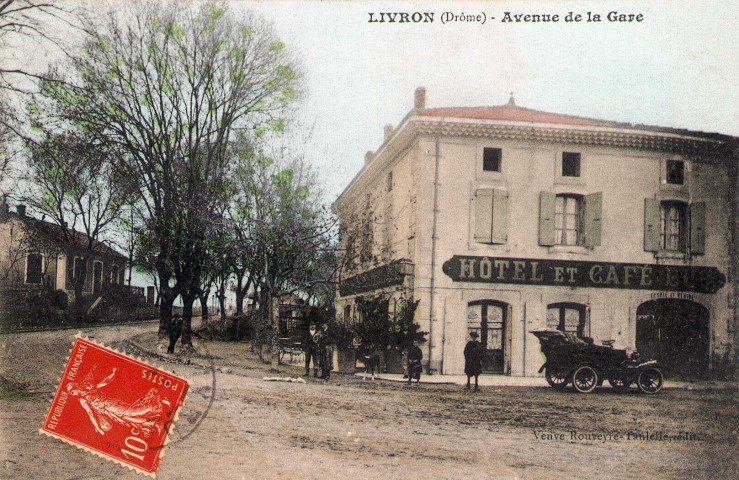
<point>673,226</point>
<point>34,268</point>
<point>570,164</point>
<point>348,313</point>
<point>491,159</point>
<point>114,274</point>
<point>569,318</point>
<point>675,172</point>
<point>390,181</point>
<point>568,220</point>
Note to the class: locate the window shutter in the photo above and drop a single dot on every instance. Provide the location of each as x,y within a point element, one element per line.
<point>500,216</point>
<point>651,225</point>
<point>484,215</point>
<point>592,219</point>
<point>698,228</point>
<point>546,218</point>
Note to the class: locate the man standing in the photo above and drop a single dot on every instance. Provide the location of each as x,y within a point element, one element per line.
<point>310,350</point>
<point>324,352</point>
<point>473,353</point>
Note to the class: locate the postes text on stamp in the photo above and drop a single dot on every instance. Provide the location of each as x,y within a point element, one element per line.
<point>115,406</point>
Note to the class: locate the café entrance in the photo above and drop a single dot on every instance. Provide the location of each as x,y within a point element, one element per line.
<point>490,319</point>
<point>675,332</point>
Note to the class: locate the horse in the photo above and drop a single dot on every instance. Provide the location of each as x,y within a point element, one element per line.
<point>370,357</point>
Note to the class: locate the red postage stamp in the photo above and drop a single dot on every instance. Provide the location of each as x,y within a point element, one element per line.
<point>115,406</point>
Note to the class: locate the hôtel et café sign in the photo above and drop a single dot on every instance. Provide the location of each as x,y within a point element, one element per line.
<point>573,273</point>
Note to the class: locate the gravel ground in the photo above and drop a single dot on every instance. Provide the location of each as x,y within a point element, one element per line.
<point>236,425</point>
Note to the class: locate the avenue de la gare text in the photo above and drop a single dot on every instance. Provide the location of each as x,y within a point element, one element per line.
<point>613,16</point>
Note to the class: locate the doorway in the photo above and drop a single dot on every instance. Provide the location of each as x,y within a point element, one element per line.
<point>489,318</point>
<point>675,332</point>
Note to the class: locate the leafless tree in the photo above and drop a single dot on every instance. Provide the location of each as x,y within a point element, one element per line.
<point>82,188</point>
<point>170,86</point>
<point>287,223</point>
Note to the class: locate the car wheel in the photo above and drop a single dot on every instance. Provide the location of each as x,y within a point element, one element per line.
<point>557,378</point>
<point>585,379</point>
<point>650,380</point>
<point>620,382</point>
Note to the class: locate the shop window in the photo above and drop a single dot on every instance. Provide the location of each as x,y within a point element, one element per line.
<point>492,159</point>
<point>675,173</point>
<point>34,268</point>
<point>570,164</point>
<point>569,318</point>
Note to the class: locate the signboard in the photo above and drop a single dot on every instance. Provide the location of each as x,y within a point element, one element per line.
<point>574,273</point>
<point>389,275</point>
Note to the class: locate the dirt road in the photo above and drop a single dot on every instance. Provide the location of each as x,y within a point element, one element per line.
<point>346,428</point>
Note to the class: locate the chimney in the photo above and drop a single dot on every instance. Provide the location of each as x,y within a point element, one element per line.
<point>419,99</point>
<point>368,157</point>
<point>388,132</point>
<point>21,209</point>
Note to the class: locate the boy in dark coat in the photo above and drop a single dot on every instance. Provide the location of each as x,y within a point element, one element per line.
<point>473,354</point>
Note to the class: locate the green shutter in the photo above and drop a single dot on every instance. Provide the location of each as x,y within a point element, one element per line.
<point>500,216</point>
<point>651,225</point>
<point>546,218</point>
<point>592,219</point>
<point>484,215</point>
<point>698,228</point>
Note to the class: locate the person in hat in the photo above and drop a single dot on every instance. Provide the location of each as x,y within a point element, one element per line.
<point>310,349</point>
<point>473,353</point>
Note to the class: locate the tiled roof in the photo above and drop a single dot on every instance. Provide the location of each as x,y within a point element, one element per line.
<point>55,233</point>
<point>513,113</point>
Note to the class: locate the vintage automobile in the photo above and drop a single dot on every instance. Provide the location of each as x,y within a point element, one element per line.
<point>571,359</point>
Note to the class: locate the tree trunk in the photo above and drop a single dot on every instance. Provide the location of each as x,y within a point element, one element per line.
<point>222,305</point>
<point>222,300</point>
<point>240,293</point>
<point>204,308</point>
<point>166,300</point>
<point>187,302</point>
<point>78,283</point>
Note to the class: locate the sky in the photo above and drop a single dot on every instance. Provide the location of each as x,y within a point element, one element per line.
<point>678,67</point>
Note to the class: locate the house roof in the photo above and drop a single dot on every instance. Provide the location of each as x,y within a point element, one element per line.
<point>513,113</point>
<point>55,233</point>
<point>474,121</point>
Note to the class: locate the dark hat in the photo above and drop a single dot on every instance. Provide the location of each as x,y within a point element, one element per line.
<point>474,334</point>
